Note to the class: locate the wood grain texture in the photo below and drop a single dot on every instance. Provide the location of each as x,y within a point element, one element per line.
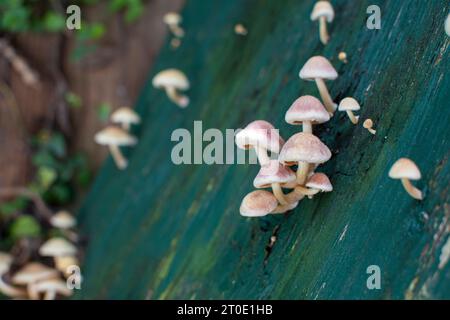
<point>163,231</point>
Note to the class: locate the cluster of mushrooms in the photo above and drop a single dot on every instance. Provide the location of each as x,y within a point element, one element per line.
<point>36,280</point>
<point>304,149</point>
<point>115,137</point>
<point>173,21</point>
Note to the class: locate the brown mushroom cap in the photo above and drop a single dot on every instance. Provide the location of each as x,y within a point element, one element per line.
<point>304,147</point>
<point>259,133</point>
<point>258,204</point>
<point>33,272</point>
<point>349,104</point>
<point>307,108</point>
<point>322,9</point>
<point>114,136</point>
<point>404,168</point>
<point>318,67</point>
<point>57,247</point>
<point>171,78</point>
<point>273,172</point>
<point>320,182</point>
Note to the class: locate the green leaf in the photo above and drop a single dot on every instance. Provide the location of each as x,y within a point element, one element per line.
<point>57,144</point>
<point>46,177</point>
<point>73,100</point>
<point>54,22</point>
<point>25,226</point>
<point>13,206</point>
<point>15,18</point>
<point>44,159</point>
<point>103,112</point>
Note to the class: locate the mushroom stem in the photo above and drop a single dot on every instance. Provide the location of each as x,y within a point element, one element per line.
<point>372,131</point>
<point>278,193</point>
<point>325,95</point>
<point>118,157</point>
<point>181,100</point>
<point>306,191</point>
<point>33,294</point>
<point>412,191</point>
<point>176,30</point>
<point>11,291</point>
<point>126,126</point>
<point>295,195</point>
<point>50,295</point>
<point>261,153</point>
<point>302,172</point>
<point>324,37</point>
<point>307,126</point>
<point>354,119</point>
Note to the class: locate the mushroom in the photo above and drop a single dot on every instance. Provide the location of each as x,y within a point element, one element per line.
<point>318,182</point>
<point>318,69</point>
<point>405,170</point>
<point>173,20</point>
<point>305,149</point>
<point>343,56</point>
<point>323,11</point>
<point>114,137</point>
<point>274,175</point>
<point>172,80</point>
<point>62,263</point>
<point>57,247</point>
<point>263,137</point>
<point>258,203</point>
<point>51,287</point>
<point>125,117</point>
<point>32,273</point>
<point>307,110</point>
<point>240,29</point>
<point>349,105</point>
<point>63,220</point>
<point>5,288</point>
<point>283,208</point>
<point>368,124</point>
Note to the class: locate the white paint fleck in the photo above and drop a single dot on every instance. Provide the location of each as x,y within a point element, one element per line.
<point>445,254</point>
<point>341,237</point>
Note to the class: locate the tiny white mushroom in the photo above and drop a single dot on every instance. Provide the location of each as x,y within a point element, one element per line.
<point>349,105</point>
<point>258,203</point>
<point>57,247</point>
<point>173,20</point>
<point>125,117</point>
<point>368,124</point>
<point>240,29</point>
<point>63,220</point>
<point>405,170</point>
<point>114,137</point>
<point>172,80</point>
<point>323,11</point>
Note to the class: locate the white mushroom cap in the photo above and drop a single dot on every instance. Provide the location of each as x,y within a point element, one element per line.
<point>172,18</point>
<point>318,67</point>
<point>64,262</point>
<point>273,172</point>
<point>55,285</point>
<point>63,220</point>
<point>171,78</point>
<point>5,262</point>
<point>304,147</point>
<point>125,115</point>
<point>320,182</point>
<point>307,108</point>
<point>114,136</point>
<point>349,104</point>
<point>258,204</point>
<point>33,272</point>
<point>404,168</point>
<point>322,9</point>
<point>57,247</point>
<point>259,133</point>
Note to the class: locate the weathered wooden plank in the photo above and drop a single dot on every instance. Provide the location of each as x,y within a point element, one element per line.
<point>163,231</point>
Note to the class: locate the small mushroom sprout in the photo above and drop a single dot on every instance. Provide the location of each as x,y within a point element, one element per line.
<point>342,56</point>
<point>349,105</point>
<point>405,170</point>
<point>173,81</point>
<point>318,182</point>
<point>114,138</point>
<point>323,11</point>
<point>319,69</point>
<point>368,124</point>
<point>240,29</point>
<point>125,117</point>
<point>307,110</point>
<point>173,21</point>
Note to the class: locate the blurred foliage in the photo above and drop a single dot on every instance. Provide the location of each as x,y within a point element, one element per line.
<point>50,16</point>
<point>103,111</point>
<point>24,226</point>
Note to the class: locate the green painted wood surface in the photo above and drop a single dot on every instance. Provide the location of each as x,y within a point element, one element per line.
<point>163,231</point>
